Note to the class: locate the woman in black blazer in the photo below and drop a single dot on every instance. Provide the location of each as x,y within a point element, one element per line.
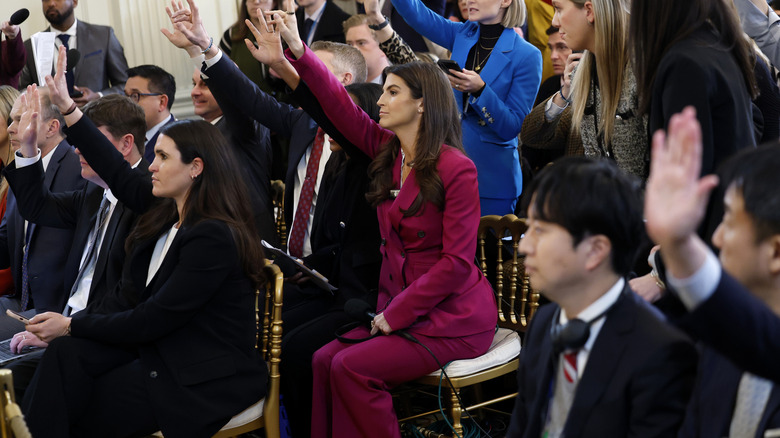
<point>177,354</point>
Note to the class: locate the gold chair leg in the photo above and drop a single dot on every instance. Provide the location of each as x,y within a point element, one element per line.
<point>455,411</point>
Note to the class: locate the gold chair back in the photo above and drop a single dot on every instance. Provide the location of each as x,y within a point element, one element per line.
<point>277,199</point>
<point>270,345</point>
<point>517,301</point>
<point>13,425</point>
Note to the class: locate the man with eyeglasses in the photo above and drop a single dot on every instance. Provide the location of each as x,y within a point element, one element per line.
<point>153,89</point>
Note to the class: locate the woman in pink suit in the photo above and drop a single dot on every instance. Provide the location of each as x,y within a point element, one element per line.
<point>425,191</point>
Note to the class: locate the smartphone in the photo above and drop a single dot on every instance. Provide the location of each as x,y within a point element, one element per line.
<point>76,94</point>
<point>447,65</point>
<point>17,316</point>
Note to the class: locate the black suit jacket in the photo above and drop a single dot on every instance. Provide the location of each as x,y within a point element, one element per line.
<point>753,344</point>
<point>637,381</point>
<point>77,210</point>
<point>329,27</point>
<point>713,400</point>
<point>149,146</point>
<point>102,66</point>
<point>225,79</point>
<point>194,324</point>
<point>193,327</point>
<point>49,247</point>
<point>251,142</point>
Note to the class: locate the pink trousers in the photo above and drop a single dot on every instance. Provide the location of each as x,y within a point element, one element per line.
<point>351,381</point>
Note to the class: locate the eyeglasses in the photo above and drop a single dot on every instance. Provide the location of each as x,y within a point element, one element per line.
<point>137,96</point>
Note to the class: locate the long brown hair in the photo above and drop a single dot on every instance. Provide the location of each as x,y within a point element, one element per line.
<point>217,193</point>
<point>440,124</point>
<point>656,25</point>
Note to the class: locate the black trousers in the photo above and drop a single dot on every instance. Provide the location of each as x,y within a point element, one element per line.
<point>88,389</point>
<point>310,322</point>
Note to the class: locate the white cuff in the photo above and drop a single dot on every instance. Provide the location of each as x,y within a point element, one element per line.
<point>24,161</point>
<point>697,288</point>
<point>552,110</point>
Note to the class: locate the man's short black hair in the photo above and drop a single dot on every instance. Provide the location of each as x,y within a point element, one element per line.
<point>551,30</point>
<point>755,174</point>
<point>160,81</point>
<point>587,197</point>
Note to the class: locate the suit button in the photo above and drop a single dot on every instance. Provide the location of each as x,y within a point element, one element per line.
<point>383,242</point>
<point>403,254</point>
<point>342,225</point>
<point>391,277</point>
<point>421,234</point>
<point>153,374</point>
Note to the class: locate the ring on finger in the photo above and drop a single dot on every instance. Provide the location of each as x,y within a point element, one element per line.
<point>24,337</point>
<point>290,12</point>
<point>457,86</point>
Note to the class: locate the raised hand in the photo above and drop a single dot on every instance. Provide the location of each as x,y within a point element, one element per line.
<point>269,44</point>
<point>287,25</point>
<point>58,86</point>
<point>676,198</point>
<point>177,38</point>
<point>190,25</point>
<point>31,109</point>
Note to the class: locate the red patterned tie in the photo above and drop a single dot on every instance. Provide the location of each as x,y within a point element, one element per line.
<point>570,366</point>
<point>301,220</point>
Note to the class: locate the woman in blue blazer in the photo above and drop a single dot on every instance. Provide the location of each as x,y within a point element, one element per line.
<point>494,91</point>
<point>177,352</point>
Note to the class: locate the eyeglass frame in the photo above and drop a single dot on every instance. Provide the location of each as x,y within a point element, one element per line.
<point>138,95</point>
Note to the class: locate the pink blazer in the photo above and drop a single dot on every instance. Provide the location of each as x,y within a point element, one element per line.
<point>428,283</point>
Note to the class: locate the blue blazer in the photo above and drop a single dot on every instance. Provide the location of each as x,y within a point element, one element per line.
<point>492,120</point>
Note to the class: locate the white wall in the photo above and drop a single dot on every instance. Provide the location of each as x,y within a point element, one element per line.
<point>137,24</point>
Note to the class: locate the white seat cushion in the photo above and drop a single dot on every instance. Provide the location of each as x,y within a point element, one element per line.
<point>504,348</point>
<point>246,416</point>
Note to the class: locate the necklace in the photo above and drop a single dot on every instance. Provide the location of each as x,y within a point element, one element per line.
<point>477,64</point>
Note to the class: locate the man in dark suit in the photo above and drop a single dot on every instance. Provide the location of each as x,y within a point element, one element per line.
<point>252,143</point>
<point>225,81</point>
<point>101,224</point>
<point>320,20</point>
<point>598,361</point>
<point>37,254</point>
<point>729,399</point>
<point>154,89</point>
<point>102,67</point>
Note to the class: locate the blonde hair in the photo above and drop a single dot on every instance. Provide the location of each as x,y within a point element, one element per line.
<point>8,96</point>
<point>355,21</point>
<point>611,30</point>
<point>514,16</point>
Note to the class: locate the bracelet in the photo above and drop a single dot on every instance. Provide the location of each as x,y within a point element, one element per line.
<point>381,25</point>
<point>560,92</point>
<point>70,110</point>
<point>211,43</point>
